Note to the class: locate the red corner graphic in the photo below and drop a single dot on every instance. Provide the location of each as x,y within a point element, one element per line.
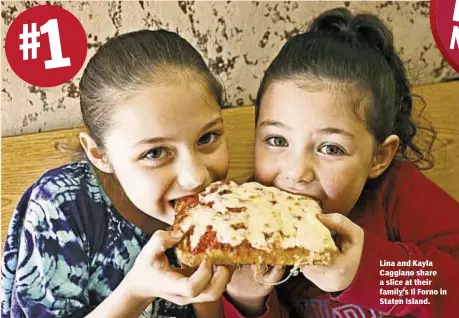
<point>444,22</point>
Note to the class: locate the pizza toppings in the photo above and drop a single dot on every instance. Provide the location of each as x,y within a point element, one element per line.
<point>237,210</point>
<point>239,226</point>
<point>265,218</point>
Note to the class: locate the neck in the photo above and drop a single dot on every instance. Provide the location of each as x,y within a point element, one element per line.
<point>125,207</point>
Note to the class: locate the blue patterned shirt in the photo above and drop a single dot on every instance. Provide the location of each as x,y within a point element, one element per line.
<point>68,248</point>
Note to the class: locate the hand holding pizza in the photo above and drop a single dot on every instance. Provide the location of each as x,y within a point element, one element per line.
<point>340,273</point>
<point>248,294</point>
<point>152,276</point>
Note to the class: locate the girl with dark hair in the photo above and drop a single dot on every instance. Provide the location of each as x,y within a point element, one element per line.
<point>333,117</point>
<point>87,239</point>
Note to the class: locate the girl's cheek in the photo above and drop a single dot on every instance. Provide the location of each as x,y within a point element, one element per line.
<point>218,163</point>
<point>260,151</point>
<point>336,184</point>
<point>223,154</point>
<point>264,169</point>
<point>341,193</point>
<point>332,190</point>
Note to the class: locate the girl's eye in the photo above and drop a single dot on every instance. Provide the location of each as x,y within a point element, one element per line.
<point>277,141</point>
<point>208,138</point>
<point>157,153</point>
<point>331,150</point>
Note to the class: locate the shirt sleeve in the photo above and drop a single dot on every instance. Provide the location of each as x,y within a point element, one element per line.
<point>427,221</point>
<point>273,308</point>
<point>52,272</point>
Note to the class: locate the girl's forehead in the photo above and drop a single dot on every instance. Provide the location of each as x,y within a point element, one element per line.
<point>297,99</point>
<point>314,109</point>
<point>166,110</point>
<point>165,101</point>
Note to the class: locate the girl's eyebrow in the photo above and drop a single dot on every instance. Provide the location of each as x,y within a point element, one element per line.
<point>326,130</point>
<point>147,141</point>
<point>217,120</point>
<point>333,130</point>
<point>275,123</point>
<point>152,141</point>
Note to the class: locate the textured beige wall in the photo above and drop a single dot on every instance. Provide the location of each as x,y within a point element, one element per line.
<point>237,39</point>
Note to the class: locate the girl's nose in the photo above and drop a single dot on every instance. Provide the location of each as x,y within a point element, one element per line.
<point>299,169</point>
<point>193,175</point>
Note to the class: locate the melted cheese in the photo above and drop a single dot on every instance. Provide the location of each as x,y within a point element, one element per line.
<point>269,215</point>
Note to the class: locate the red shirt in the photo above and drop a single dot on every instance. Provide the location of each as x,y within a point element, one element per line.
<point>406,218</point>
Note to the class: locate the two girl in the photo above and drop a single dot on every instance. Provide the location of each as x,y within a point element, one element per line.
<point>333,122</point>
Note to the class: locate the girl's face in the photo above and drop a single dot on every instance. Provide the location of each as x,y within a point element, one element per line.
<point>165,143</point>
<point>312,143</point>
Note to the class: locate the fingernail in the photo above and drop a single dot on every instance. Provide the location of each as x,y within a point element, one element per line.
<point>176,234</point>
<point>219,269</point>
<point>204,262</point>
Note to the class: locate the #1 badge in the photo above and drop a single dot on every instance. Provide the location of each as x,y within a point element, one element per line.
<point>46,45</point>
<point>444,22</point>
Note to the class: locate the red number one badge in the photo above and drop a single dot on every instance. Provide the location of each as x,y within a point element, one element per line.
<point>46,46</point>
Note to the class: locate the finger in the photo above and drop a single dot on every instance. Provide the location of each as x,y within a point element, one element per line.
<point>313,271</point>
<point>172,283</point>
<point>258,270</point>
<point>163,240</point>
<point>274,275</point>
<point>246,268</point>
<point>344,243</point>
<point>243,269</point>
<point>178,300</point>
<point>193,285</point>
<point>231,269</point>
<point>339,223</point>
<point>216,287</point>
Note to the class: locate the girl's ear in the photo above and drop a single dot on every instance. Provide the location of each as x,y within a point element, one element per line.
<point>383,156</point>
<point>94,153</point>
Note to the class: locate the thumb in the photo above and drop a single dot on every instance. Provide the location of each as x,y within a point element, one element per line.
<point>275,274</point>
<point>163,240</point>
<point>338,223</point>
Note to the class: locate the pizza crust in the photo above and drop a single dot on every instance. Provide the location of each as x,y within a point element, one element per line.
<point>196,212</point>
<point>248,256</point>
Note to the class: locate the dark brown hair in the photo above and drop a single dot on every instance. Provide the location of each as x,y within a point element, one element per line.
<point>357,50</point>
<point>129,62</point>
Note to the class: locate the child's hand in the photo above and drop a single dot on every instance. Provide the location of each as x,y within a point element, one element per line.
<point>246,293</point>
<point>339,274</point>
<point>152,276</point>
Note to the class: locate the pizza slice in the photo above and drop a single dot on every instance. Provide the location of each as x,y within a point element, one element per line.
<point>251,224</point>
